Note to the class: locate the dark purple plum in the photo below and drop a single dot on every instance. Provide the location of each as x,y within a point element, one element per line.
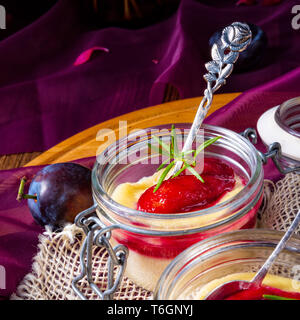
<point>252,57</point>
<point>62,191</point>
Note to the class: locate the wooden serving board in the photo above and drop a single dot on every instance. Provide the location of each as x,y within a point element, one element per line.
<point>94,140</point>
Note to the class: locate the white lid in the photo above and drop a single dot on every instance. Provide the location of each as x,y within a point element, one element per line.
<point>270,131</point>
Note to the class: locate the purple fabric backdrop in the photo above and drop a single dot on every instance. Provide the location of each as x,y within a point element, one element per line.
<point>45,98</point>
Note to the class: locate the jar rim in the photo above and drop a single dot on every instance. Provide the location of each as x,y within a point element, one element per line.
<point>283,115</point>
<point>101,195</point>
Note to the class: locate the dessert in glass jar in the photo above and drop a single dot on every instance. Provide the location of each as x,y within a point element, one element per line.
<point>222,194</point>
<point>236,255</point>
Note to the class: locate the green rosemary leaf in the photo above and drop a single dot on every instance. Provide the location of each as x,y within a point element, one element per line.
<point>179,171</point>
<point>193,171</point>
<point>163,175</point>
<point>185,153</point>
<point>162,165</point>
<point>152,147</point>
<point>205,144</point>
<point>163,145</point>
<point>159,150</point>
<point>273,297</point>
<point>174,142</point>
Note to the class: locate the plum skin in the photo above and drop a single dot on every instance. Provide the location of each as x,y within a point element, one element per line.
<point>63,190</point>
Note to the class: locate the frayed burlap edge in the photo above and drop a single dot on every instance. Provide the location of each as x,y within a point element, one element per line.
<point>57,263</point>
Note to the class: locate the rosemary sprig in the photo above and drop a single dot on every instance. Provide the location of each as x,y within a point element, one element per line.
<point>163,175</point>
<point>173,155</point>
<point>274,297</point>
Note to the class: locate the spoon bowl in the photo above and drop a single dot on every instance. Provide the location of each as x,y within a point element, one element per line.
<point>227,289</point>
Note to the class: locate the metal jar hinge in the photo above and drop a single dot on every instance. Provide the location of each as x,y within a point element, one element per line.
<point>274,152</point>
<point>99,235</point>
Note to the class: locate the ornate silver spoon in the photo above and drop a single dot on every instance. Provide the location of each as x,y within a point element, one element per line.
<point>235,39</point>
<point>232,287</point>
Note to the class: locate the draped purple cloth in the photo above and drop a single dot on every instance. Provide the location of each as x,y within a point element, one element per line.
<point>45,98</point>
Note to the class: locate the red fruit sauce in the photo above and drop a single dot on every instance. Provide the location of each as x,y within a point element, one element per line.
<point>257,293</point>
<point>185,193</point>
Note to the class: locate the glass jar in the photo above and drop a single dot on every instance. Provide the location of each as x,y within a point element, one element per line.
<point>154,240</point>
<point>242,251</point>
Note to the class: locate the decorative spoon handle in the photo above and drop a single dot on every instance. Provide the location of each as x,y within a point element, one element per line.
<point>235,39</point>
<point>260,275</point>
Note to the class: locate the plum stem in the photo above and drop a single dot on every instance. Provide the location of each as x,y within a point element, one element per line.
<point>21,194</point>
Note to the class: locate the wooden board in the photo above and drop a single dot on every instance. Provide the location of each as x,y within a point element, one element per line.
<point>92,141</point>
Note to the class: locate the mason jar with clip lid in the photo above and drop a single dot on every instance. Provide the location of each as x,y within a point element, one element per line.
<point>142,244</point>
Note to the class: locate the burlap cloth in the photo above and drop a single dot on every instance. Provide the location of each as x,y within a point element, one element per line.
<point>57,262</point>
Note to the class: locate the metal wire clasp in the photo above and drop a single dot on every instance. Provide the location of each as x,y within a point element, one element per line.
<point>99,235</point>
<point>274,152</point>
